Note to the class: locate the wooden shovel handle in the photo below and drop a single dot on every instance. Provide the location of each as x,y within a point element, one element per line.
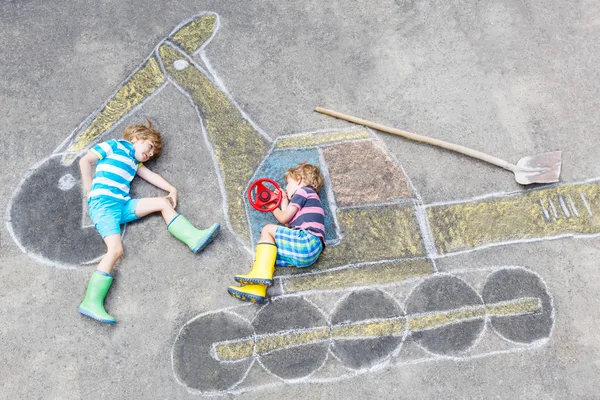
<point>420,138</point>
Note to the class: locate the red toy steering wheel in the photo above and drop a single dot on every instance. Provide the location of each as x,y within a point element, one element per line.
<point>259,195</point>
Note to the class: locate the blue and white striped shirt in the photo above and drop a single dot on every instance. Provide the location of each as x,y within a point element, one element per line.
<point>115,170</point>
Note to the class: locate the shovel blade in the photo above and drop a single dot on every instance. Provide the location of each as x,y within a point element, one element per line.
<point>541,168</point>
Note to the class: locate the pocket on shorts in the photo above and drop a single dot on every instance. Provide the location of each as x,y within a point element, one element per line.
<point>314,246</point>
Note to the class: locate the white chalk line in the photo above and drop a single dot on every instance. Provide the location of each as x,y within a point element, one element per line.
<point>324,170</point>
<point>488,196</point>
<point>481,332</point>
<point>216,166</point>
<point>210,148</point>
<point>423,222</point>
<point>90,118</point>
<point>564,207</point>
<point>572,203</point>
<point>358,265</point>
<point>321,145</point>
<point>188,58</point>
<point>294,380</point>
<point>222,86</point>
<point>331,201</point>
<point>398,202</point>
<point>545,212</point>
<point>84,124</point>
<point>385,361</point>
<point>71,140</point>
<point>421,213</point>
<point>213,77</point>
<point>87,120</point>
<point>282,278</point>
<point>521,241</point>
<point>247,208</point>
<point>389,362</point>
<point>375,368</point>
<point>8,222</point>
<point>326,130</point>
<point>541,341</point>
<point>208,393</point>
<point>587,206</point>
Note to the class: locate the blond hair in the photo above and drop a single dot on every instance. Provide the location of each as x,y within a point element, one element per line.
<point>310,174</point>
<point>145,132</point>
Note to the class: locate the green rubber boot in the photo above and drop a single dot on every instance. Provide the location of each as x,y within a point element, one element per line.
<point>196,239</point>
<point>251,293</point>
<point>93,304</point>
<point>263,268</point>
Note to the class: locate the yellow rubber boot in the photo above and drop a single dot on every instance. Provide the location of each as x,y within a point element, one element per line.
<point>263,268</point>
<point>251,293</point>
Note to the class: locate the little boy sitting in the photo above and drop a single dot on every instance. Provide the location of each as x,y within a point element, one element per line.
<point>118,162</point>
<point>298,245</point>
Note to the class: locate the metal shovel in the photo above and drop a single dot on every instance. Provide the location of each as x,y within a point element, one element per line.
<point>541,168</point>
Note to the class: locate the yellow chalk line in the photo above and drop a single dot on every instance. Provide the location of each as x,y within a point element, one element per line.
<point>376,274</point>
<point>268,343</point>
<point>438,319</point>
<point>321,138</point>
<point>237,146</point>
<point>378,233</point>
<point>535,214</point>
<point>141,85</point>
<point>390,327</point>
<point>396,326</point>
<point>193,35</point>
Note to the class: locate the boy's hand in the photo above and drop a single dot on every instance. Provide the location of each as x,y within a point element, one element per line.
<point>173,196</point>
<point>284,199</point>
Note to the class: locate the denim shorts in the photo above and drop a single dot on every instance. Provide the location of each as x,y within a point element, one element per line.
<point>108,214</point>
<point>296,247</point>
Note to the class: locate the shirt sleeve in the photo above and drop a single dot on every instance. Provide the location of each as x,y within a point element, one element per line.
<point>298,199</point>
<point>103,149</point>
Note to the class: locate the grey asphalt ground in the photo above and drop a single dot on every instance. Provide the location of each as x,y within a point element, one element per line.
<point>510,78</point>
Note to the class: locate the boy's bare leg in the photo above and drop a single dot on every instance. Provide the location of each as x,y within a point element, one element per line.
<point>114,251</point>
<point>267,235</point>
<point>155,204</point>
<point>101,280</point>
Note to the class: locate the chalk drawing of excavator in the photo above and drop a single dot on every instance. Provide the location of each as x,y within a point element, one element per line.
<point>375,298</point>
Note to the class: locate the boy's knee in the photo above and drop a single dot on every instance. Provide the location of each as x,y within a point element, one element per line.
<point>166,203</point>
<point>269,229</point>
<point>116,251</point>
